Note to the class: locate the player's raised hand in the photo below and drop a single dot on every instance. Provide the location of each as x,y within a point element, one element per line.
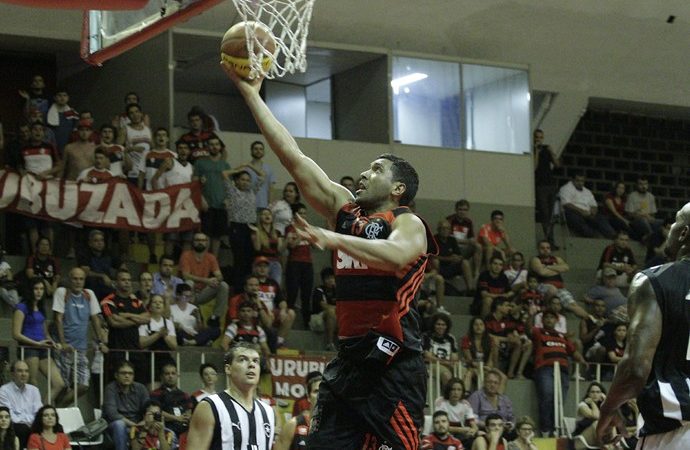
<point>244,85</point>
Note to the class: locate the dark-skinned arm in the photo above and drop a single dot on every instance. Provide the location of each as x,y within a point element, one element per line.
<point>633,370</point>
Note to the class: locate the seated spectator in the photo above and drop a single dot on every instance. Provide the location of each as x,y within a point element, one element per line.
<point>8,438</point>
<point>294,433</point>
<point>493,439</point>
<point>123,404</point>
<point>440,346</point>
<point>451,263</point>
<point>615,347</point>
<point>99,266</point>
<point>614,207</point>
<point>517,274</point>
<point>461,417</point>
<point>641,206</point>
<point>164,281</point>
<point>531,300</point>
<point>46,431</point>
<point>299,269</point>
<point>550,347</point>
<point>525,434</point>
<point>581,210</point>
<point>479,351</point>
<point>592,332</point>
<point>549,269</point>
<point>22,399</point>
<point>619,257</point>
<point>433,290</point>
<point>189,325</point>
<point>250,293</point>
<point>514,347</point>
<point>269,243</point>
<point>440,438</point>
<point>175,404</point>
<point>491,283</point>
<point>245,329</point>
<point>607,291</point>
<point>8,285</point>
<point>30,329</point>
<point>271,296</point>
<point>201,268</point>
<point>463,232</point>
<point>304,403</point>
<point>158,335</point>
<point>489,400</point>
<point>42,264</point>
<point>656,245</point>
<point>152,432</point>
<point>323,304</point>
<point>494,239</point>
<point>588,412</point>
<point>209,378</point>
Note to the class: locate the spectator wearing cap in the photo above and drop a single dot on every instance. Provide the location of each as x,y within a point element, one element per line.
<point>619,257</point>
<point>189,325</point>
<point>87,117</point>
<point>608,291</point>
<point>272,297</point>
<point>200,267</point>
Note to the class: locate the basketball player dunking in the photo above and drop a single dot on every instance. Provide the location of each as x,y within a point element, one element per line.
<point>234,418</point>
<point>372,394</point>
<point>656,367</point>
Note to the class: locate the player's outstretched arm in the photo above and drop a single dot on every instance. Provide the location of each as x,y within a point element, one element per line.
<point>644,334</point>
<point>325,196</point>
<point>405,244</point>
<point>201,427</point>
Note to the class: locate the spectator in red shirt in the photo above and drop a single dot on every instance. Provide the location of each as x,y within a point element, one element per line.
<point>303,403</point>
<point>494,238</point>
<point>619,257</point>
<point>299,270</point>
<point>515,348</point>
<point>463,232</point>
<point>491,283</point>
<point>550,347</point>
<point>441,439</point>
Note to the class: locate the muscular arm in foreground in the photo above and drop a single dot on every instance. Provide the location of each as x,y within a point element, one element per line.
<point>643,337</point>
<point>325,196</point>
<point>201,427</point>
<point>406,242</point>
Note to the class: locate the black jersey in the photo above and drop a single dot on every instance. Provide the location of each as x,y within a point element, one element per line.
<point>665,400</point>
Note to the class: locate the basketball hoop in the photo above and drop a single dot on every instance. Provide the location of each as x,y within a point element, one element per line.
<point>289,22</point>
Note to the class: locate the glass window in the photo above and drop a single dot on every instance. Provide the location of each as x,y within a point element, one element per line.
<point>426,102</point>
<point>496,109</point>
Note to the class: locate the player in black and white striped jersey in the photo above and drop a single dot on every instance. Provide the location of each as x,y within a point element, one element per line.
<point>234,418</point>
<point>656,364</point>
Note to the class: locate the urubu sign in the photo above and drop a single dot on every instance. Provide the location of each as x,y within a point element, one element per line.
<point>113,204</point>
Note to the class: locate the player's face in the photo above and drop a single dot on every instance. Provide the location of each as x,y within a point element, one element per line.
<point>375,185</point>
<point>244,369</point>
<point>441,425</point>
<point>678,234</point>
<point>100,161</point>
<point>170,376</point>
<point>107,136</point>
<point>440,327</point>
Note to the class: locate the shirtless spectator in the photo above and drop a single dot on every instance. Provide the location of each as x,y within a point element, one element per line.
<point>151,161</point>
<point>463,232</point>
<point>197,137</point>
<point>641,205</point>
<point>452,264</point>
<point>549,269</point>
<point>494,238</point>
<point>619,257</point>
<point>136,137</point>
<point>85,117</point>
<point>581,211</point>
<point>491,284</point>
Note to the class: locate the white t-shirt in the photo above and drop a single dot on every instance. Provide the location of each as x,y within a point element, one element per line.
<point>461,412</point>
<point>583,199</point>
<point>59,301</point>
<point>561,326</point>
<point>185,318</point>
<point>155,325</point>
<point>179,174</point>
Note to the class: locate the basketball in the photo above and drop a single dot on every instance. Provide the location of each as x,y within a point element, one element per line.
<point>233,47</point>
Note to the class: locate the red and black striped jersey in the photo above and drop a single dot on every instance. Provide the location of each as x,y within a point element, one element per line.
<point>549,347</point>
<point>371,299</point>
<point>555,280</point>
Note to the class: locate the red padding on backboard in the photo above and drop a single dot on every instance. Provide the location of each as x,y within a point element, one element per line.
<point>139,37</point>
<point>101,5</point>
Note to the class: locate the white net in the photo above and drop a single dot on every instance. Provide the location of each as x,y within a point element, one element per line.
<point>289,22</point>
